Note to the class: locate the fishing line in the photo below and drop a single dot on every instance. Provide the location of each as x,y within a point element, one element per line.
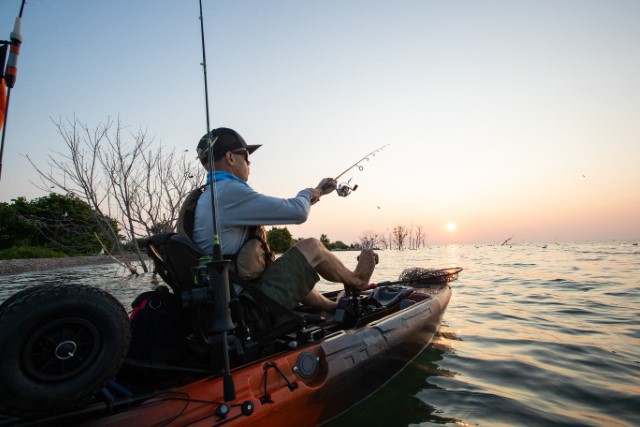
<point>9,75</point>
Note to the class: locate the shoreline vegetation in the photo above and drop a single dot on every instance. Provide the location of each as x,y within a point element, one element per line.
<point>17,266</point>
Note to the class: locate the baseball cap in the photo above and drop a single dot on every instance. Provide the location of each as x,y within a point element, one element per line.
<point>228,140</point>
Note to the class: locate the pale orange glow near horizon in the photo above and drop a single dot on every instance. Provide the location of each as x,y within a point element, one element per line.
<point>451,227</point>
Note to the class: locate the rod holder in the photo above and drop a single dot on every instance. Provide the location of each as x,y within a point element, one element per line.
<point>218,293</point>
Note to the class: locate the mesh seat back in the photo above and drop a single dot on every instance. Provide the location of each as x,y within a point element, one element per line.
<point>174,257</point>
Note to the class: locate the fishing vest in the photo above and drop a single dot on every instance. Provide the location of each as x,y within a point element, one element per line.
<point>254,256</point>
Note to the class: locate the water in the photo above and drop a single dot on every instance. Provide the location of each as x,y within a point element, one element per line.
<point>533,336</point>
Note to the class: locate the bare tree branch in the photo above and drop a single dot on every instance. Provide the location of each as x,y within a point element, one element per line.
<point>120,176</point>
<point>399,236</point>
<point>420,236</point>
<point>369,240</point>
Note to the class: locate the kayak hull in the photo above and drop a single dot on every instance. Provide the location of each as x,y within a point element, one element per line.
<point>306,386</point>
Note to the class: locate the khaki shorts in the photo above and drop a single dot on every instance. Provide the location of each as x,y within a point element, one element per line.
<point>288,279</point>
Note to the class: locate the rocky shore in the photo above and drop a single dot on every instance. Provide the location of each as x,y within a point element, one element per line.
<point>17,266</point>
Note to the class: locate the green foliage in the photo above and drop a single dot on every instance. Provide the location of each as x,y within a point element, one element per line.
<point>332,246</point>
<point>339,245</point>
<point>279,239</point>
<point>13,229</point>
<point>55,222</point>
<point>23,252</point>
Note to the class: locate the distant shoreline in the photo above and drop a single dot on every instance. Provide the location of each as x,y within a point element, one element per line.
<point>17,266</point>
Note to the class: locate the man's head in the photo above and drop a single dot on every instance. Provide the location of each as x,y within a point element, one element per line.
<point>227,140</point>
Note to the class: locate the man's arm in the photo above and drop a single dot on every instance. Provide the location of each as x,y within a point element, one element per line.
<point>245,207</point>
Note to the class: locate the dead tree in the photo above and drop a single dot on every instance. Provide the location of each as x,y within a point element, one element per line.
<point>410,235</point>
<point>369,240</point>
<point>120,176</point>
<point>384,242</point>
<point>399,235</point>
<point>167,179</point>
<point>420,236</point>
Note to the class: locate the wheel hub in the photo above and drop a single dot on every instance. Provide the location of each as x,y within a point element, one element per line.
<point>61,349</point>
<point>66,350</point>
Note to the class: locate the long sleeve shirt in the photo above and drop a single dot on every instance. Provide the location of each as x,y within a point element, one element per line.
<point>239,207</point>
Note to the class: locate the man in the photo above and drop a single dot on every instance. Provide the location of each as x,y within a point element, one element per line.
<point>292,277</point>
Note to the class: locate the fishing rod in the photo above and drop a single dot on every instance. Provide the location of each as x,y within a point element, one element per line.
<point>217,267</point>
<point>345,189</point>
<point>217,250</point>
<point>9,75</point>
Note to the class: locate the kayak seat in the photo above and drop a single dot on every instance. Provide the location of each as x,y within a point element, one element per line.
<point>174,256</point>
<point>264,319</point>
<point>391,295</point>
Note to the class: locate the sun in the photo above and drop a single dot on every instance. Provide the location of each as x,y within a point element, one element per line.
<point>451,226</point>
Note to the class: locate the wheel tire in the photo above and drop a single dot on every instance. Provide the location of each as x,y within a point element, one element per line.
<point>60,345</point>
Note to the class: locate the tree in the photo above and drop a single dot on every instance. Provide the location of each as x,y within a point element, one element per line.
<point>420,236</point>
<point>67,222</point>
<point>368,240</point>
<point>167,179</point>
<point>57,222</point>
<point>399,236</point>
<point>122,177</point>
<point>324,239</point>
<point>339,245</point>
<point>279,239</point>
<point>384,242</point>
<point>14,231</point>
<point>410,235</point>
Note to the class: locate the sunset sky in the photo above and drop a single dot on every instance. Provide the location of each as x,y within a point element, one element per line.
<point>504,118</point>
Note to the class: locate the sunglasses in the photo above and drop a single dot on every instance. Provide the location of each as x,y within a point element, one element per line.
<point>245,153</point>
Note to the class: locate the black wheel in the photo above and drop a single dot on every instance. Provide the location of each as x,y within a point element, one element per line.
<point>59,346</point>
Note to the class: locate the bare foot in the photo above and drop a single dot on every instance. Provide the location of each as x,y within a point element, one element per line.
<point>364,269</point>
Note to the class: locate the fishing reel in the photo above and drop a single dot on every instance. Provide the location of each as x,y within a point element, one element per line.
<point>345,189</point>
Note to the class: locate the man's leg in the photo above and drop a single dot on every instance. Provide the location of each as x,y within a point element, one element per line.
<point>332,269</point>
<point>318,301</point>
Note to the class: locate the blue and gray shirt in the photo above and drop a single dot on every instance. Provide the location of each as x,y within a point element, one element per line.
<point>239,207</point>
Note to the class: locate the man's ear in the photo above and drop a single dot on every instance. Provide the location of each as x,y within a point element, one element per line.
<point>230,159</point>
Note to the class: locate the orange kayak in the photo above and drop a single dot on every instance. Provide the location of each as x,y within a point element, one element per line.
<point>342,360</point>
<point>306,386</point>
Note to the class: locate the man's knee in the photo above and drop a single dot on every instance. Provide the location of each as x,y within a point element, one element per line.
<point>311,248</point>
<point>308,245</point>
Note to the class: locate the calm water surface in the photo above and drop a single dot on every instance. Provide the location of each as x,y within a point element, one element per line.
<point>533,336</point>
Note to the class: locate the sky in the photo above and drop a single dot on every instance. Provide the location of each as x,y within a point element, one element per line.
<point>505,118</point>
